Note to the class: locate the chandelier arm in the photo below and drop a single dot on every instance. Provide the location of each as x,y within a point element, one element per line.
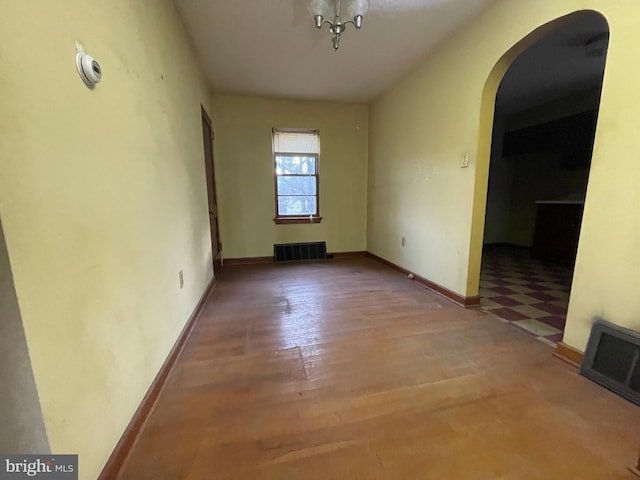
<point>336,26</point>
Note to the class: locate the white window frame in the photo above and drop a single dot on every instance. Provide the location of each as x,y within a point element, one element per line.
<point>289,219</point>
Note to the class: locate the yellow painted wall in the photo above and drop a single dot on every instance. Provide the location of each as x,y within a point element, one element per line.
<point>103,201</point>
<point>244,173</point>
<point>420,130</point>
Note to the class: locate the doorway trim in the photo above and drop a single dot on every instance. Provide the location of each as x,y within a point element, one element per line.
<point>210,178</point>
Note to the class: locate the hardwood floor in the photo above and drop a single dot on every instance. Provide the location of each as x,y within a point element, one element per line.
<point>344,369</point>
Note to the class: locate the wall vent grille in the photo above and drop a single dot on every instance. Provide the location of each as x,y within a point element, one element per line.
<point>289,252</point>
<point>612,359</point>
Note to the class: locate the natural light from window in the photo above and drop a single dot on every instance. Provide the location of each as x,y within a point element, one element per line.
<point>296,173</point>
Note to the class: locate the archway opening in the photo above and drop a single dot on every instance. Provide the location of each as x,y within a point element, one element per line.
<point>545,95</point>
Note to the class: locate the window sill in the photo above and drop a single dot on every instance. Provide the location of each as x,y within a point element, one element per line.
<point>296,220</point>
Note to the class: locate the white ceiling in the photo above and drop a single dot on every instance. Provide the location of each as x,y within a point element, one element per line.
<point>271,48</point>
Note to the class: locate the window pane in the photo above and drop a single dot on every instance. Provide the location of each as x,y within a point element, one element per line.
<point>305,205</point>
<point>295,165</point>
<point>296,142</point>
<point>296,185</point>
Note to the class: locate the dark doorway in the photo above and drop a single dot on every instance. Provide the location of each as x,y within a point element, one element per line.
<point>544,126</point>
<point>207,136</point>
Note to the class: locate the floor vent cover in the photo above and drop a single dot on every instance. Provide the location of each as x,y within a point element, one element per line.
<point>287,252</point>
<point>612,359</point>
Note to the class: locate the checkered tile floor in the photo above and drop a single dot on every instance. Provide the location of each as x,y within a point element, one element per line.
<point>527,293</point>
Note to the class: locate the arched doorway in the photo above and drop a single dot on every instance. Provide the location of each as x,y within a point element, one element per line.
<point>538,122</point>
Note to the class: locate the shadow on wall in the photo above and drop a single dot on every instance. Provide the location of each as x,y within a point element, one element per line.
<point>21,426</point>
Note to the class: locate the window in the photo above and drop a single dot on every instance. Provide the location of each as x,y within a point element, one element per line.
<point>295,162</point>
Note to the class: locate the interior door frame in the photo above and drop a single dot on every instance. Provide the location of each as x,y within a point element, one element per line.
<point>211,189</point>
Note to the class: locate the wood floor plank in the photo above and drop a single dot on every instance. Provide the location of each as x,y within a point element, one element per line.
<point>345,369</point>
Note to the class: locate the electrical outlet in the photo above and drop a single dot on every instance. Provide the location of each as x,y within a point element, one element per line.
<point>402,242</point>
<point>465,161</point>
<point>181,278</point>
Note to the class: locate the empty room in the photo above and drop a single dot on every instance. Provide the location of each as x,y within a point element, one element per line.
<point>319,239</point>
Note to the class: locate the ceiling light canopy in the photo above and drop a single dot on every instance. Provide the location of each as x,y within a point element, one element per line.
<point>324,9</point>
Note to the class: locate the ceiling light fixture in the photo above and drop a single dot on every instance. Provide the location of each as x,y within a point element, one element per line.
<point>322,9</point>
